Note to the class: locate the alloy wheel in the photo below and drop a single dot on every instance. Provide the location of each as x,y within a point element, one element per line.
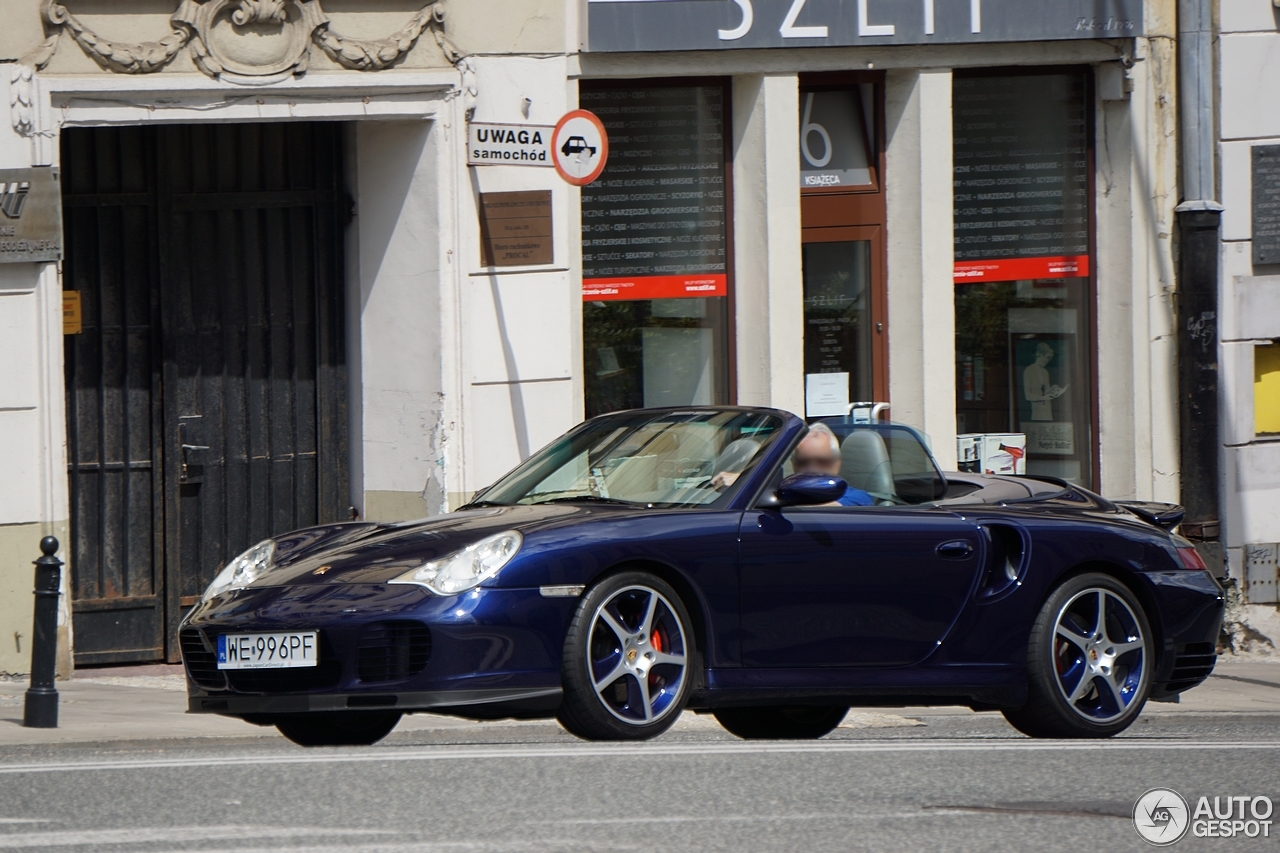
<point>637,655</point>
<point>1100,655</point>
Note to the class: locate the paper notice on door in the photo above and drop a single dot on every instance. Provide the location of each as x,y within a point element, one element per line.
<point>826,394</point>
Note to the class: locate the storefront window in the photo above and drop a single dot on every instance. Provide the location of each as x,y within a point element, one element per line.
<point>1024,295</point>
<point>655,250</point>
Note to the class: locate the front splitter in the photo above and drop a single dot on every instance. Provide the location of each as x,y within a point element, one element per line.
<point>482,701</point>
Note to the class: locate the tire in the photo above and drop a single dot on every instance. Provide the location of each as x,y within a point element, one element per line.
<point>338,728</point>
<point>1086,677</point>
<point>628,659</point>
<point>784,722</point>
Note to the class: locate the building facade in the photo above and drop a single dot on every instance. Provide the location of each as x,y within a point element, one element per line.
<point>298,302</point>
<point>1248,119</point>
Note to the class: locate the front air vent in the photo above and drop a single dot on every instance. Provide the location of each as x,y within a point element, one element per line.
<point>201,662</point>
<point>1192,665</point>
<point>1006,559</point>
<point>392,651</point>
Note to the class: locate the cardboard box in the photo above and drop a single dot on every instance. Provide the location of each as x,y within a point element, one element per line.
<point>992,452</point>
<point>1003,453</point>
<point>967,450</point>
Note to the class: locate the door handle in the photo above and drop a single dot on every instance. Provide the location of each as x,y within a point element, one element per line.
<point>955,550</point>
<point>184,470</point>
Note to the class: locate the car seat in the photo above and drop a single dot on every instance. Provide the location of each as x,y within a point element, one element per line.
<point>736,455</point>
<point>865,465</point>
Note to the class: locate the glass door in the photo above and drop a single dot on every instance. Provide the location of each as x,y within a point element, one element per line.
<point>842,317</point>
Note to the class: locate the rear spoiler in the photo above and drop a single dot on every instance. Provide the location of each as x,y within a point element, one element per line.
<point>1167,516</point>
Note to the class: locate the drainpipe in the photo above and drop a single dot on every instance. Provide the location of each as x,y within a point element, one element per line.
<point>1199,221</point>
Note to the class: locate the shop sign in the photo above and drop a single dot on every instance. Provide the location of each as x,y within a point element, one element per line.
<point>645,25</point>
<point>30,215</point>
<point>515,228</point>
<point>508,144</point>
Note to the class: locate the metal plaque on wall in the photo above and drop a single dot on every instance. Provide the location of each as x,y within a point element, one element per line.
<point>515,228</point>
<point>644,25</point>
<point>1266,204</point>
<point>30,215</point>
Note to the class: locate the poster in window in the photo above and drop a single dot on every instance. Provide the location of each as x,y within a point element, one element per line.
<point>1043,386</point>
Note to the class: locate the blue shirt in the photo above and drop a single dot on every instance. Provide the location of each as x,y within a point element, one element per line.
<point>855,497</point>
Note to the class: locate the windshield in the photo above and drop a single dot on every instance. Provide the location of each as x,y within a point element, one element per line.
<point>668,458</point>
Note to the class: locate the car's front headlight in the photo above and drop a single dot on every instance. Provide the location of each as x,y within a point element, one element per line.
<point>243,570</point>
<point>468,568</point>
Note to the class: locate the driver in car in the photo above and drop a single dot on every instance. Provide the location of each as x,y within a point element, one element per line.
<point>819,453</point>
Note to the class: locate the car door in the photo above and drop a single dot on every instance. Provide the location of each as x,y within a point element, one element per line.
<point>852,586</point>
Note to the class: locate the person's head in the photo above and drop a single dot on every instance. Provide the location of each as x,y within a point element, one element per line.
<point>818,452</point>
<point>1044,352</point>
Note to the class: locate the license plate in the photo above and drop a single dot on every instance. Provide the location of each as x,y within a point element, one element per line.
<point>267,651</point>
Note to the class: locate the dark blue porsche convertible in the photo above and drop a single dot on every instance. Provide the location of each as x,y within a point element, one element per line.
<point>656,560</point>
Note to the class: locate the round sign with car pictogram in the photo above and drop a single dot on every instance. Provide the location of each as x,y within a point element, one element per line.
<point>580,147</point>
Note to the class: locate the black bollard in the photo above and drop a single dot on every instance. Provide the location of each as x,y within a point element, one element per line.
<point>41,710</point>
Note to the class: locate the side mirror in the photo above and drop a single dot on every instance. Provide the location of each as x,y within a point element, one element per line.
<point>810,489</point>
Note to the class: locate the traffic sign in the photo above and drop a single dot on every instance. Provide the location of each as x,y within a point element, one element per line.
<point>580,147</point>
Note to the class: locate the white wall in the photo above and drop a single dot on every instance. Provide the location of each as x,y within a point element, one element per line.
<point>1249,297</point>
<point>921,260</point>
<point>1136,191</point>
<point>397,353</point>
<point>519,367</point>
<point>33,462</point>
<point>769,288</point>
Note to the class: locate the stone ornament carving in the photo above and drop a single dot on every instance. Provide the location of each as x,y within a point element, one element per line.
<point>250,38</point>
<point>248,41</point>
<point>376,55</point>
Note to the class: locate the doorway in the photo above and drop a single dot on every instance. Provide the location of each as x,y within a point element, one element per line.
<point>842,213</point>
<point>206,404</point>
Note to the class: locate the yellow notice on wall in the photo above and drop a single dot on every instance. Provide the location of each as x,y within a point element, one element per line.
<point>71,321</point>
<point>1266,389</point>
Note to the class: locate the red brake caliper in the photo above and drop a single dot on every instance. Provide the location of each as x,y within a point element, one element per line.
<point>655,640</point>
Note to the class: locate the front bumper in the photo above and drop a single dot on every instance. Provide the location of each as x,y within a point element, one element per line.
<point>487,652</point>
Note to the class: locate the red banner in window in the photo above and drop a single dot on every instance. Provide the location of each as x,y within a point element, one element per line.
<point>655,287</point>
<point>1014,269</point>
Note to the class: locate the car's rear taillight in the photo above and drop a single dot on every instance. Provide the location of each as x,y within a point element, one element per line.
<point>1190,558</point>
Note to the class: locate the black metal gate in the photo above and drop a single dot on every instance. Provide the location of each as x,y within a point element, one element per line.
<point>206,394</point>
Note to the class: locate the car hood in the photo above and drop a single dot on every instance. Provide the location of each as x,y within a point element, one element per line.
<point>376,553</point>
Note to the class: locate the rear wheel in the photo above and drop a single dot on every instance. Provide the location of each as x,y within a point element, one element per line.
<point>1089,662</point>
<point>627,659</point>
<point>785,722</point>
<point>338,728</point>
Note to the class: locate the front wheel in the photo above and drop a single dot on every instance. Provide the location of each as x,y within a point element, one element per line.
<point>338,728</point>
<point>1089,662</point>
<point>627,660</point>
<point>787,722</point>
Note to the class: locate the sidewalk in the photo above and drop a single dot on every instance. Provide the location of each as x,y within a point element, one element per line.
<point>149,703</point>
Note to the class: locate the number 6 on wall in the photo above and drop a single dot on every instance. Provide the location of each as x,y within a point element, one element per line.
<point>748,18</point>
